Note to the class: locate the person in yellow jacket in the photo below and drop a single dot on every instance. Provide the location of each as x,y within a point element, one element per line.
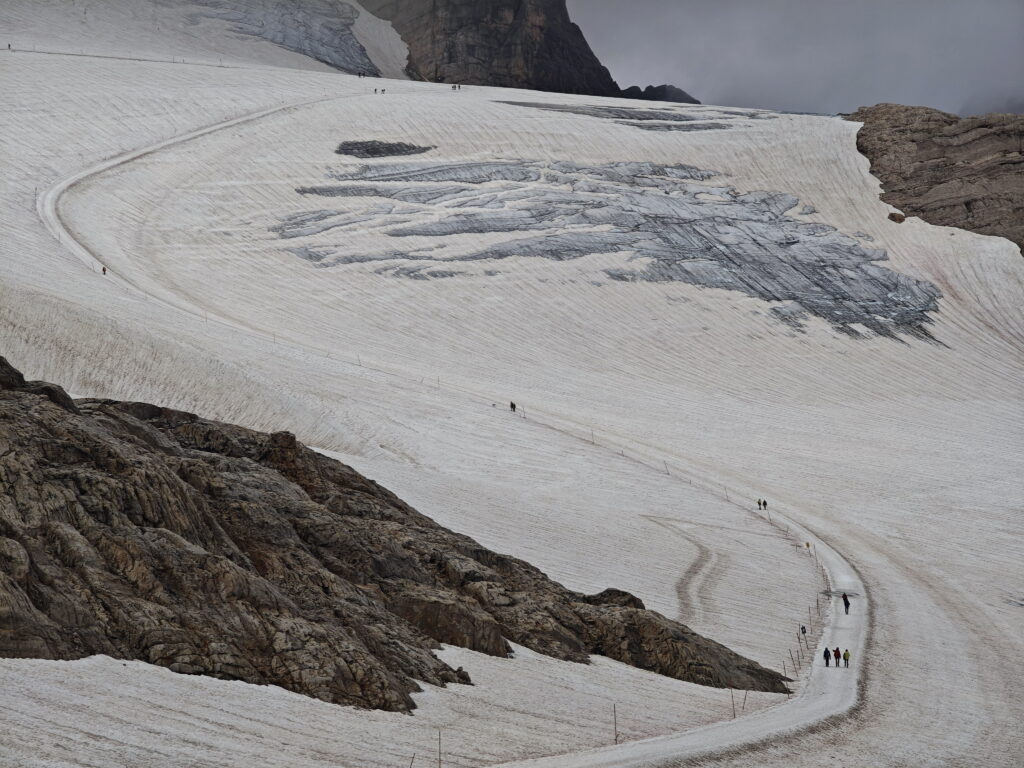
<point>846,657</point>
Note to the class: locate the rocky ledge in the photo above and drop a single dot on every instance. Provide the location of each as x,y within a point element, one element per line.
<point>959,172</point>
<point>146,533</point>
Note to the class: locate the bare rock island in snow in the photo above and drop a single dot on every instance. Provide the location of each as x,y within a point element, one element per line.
<point>958,172</point>
<point>146,533</point>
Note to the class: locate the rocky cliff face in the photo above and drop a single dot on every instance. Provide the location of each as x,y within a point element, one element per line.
<point>510,43</point>
<point>958,172</point>
<point>146,533</point>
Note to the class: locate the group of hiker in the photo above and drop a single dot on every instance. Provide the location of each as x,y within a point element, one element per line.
<point>829,655</point>
<point>455,86</point>
<point>845,656</point>
<point>835,653</point>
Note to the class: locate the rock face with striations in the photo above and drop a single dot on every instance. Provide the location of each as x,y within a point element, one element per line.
<point>147,533</point>
<point>508,43</point>
<point>958,172</point>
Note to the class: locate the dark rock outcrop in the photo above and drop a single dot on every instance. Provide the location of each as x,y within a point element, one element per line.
<point>146,533</point>
<point>510,43</point>
<point>659,93</point>
<point>507,43</point>
<point>958,172</point>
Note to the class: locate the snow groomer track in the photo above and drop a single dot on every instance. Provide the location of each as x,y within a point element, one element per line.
<point>695,306</point>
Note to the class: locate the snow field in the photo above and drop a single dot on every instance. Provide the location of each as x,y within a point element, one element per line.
<point>100,712</point>
<point>38,319</point>
<point>901,454</point>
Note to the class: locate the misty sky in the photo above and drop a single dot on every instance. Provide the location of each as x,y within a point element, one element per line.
<point>964,56</point>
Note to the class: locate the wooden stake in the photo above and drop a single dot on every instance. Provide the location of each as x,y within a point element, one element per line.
<point>743,708</point>
<point>615,721</point>
<point>438,748</point>
<point>731,696</point>
<point>413,760</point>
<point>785,673</point>
<point>792,659</point>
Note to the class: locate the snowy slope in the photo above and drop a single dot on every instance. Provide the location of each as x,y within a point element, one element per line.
<point>317,35</point>
<point>657,407</point>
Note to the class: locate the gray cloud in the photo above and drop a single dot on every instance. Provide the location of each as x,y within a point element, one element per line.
<point>963,56</point>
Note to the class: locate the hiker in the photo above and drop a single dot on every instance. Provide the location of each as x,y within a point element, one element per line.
<point>828,655</point>
<point>765,503</point>
<point>758,503</point>
<point>512,407</point>
<point>837,654</point>
<point>104,270</point>
<point>846,603</point>
<point>374,90</point>
<point>846,657</point>
<point>383,90</point>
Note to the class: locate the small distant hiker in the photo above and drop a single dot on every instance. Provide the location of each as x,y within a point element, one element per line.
<point>512,407</point>
<point>383,90</point>
<point>104,270</point>
<point>828,655</point>
<point>374,90</point>
<point>846,603</point>
<point>758,503</point>
<point>837,654</point>
<point>765,503</point>
<point>846,657</point>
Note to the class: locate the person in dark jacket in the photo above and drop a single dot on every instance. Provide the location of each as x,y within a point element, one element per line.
<point>837,654</point>
<point>846,603</point>
<point>828,655</point>
<point>512,407</point>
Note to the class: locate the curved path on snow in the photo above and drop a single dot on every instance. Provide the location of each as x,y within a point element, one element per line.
<point>821,697</point>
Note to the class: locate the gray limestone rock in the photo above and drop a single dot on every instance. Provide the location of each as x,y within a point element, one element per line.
<point>958,172</point>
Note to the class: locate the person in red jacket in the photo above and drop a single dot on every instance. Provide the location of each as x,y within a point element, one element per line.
<point>837,654</point>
